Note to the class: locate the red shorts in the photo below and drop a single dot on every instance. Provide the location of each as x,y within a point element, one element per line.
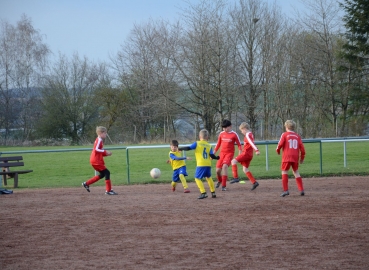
<point>224,159</point>
<point>99,167</point>
<point>286,166</point>
<point>244,160</point>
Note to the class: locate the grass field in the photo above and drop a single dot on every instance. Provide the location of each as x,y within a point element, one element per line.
<point>71,168</point>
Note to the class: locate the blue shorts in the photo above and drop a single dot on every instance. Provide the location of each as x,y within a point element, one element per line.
<point>202,172</point>
<point>177,172</point>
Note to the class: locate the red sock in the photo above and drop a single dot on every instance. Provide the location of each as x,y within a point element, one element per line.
<point>108,185</point>
<point>93,180</point>
<point>299,183</point>
<point>285,182</point>
<point>251,177</point>
<point>219,177</point>
<point>224,180</point>
<point>234,171</point>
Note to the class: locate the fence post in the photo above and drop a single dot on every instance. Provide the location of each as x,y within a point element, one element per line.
<point>127,157</point>
<point>321,158</point>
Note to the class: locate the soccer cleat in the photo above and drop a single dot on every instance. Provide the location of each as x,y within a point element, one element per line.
<point>218,184</point>
<point>285,193</point>
<point>203,196</point>
<point>173,188</point>
<point>254,185</point>
<point>213,195</point>
<point>187,191</point>
<point>235,180</point>
<point>111,192</point>
<point>302,193</point>
<point>86,186</point>
<point>224,189</point>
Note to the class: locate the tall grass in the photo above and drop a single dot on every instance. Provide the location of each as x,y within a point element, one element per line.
<point>70,169</point>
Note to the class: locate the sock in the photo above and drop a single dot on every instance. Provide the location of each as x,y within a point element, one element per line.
<point>285,182</point>
<point>234,171</point>
<point>299,183</point>
<point>108,185</point>
<point>224,180</point>
<point>92,180</point>
<point>200,185</point>
<point>211,184</point>
<point>219,177</point>
<point>173,184</point>
<point>183,180</point>
<point>251,177</point>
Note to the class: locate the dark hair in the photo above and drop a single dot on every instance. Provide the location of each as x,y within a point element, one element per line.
<point>174,143</point>
<point>226,123</point>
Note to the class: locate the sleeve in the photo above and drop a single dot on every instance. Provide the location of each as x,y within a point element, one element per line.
<point>174,157</point>
<point>219,142</point>
<point>280,143</point>
<point>238,142</point>
<point>99,147</point>
<point>251,141</point>
<point>302,151</point>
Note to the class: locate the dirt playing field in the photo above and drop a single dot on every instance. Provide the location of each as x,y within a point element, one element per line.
<point>151,227</point>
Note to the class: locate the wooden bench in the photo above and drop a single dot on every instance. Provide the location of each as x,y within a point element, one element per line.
<point>6,163</point>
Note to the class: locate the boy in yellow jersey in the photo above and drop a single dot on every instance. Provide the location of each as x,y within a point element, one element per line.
<point>204,154</point>
<point>178,165</point>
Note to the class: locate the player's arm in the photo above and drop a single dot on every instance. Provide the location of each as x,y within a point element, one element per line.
<point>188,148</point>
<point>174,157</point>
<point>302,152</point>
<point>211,154</point>
<point>280,143</point>
<point>251,142</point>
<point>219,142</point>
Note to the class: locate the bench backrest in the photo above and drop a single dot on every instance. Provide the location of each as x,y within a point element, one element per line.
<point>11,164</point>
<point>11,158</point>
<point>6,162</point>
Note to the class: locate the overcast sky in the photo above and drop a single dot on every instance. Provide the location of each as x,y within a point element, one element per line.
<point>96,28</point>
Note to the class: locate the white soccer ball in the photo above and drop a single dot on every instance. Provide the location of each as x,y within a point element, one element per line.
<point>155,173</point>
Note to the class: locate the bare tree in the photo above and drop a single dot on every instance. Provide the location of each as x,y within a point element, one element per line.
<point>23,61</point>
<point>69,101</point>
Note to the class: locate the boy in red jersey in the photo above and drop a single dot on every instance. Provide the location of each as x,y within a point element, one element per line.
<point>293,152</point>
<point>97,162</point>
<point>227,138</point>
<point>247,154</point>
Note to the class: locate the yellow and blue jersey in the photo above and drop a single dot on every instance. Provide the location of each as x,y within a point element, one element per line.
<point>203,150</point>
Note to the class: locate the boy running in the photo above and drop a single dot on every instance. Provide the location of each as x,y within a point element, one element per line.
<point>226,140</point>
<point>97,162</point>
<point>247,154</point>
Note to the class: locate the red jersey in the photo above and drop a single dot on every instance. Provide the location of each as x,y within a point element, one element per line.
<point>292,146</point>
<point>98,153</point>
<point>249,145</point>
<point>226,140</point>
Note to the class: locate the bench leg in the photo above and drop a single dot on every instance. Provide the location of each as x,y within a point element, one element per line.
<point>15,180</point>
<point>4,180</point>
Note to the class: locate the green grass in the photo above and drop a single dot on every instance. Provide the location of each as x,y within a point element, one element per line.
<point>70,169</point>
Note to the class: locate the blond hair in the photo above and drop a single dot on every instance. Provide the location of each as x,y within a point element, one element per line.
<point>100,129</point>
<point>290,124</point>
<point>244,125</point>
<point>204,134</point>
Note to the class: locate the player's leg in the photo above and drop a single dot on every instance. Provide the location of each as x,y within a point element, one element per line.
<point>249,175</point>
<point>298,178</point>
<point>285,167</point>
<point>234,171</point>
<point>218,170</point>
<point>184,183</point>
<point>109,190</point>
